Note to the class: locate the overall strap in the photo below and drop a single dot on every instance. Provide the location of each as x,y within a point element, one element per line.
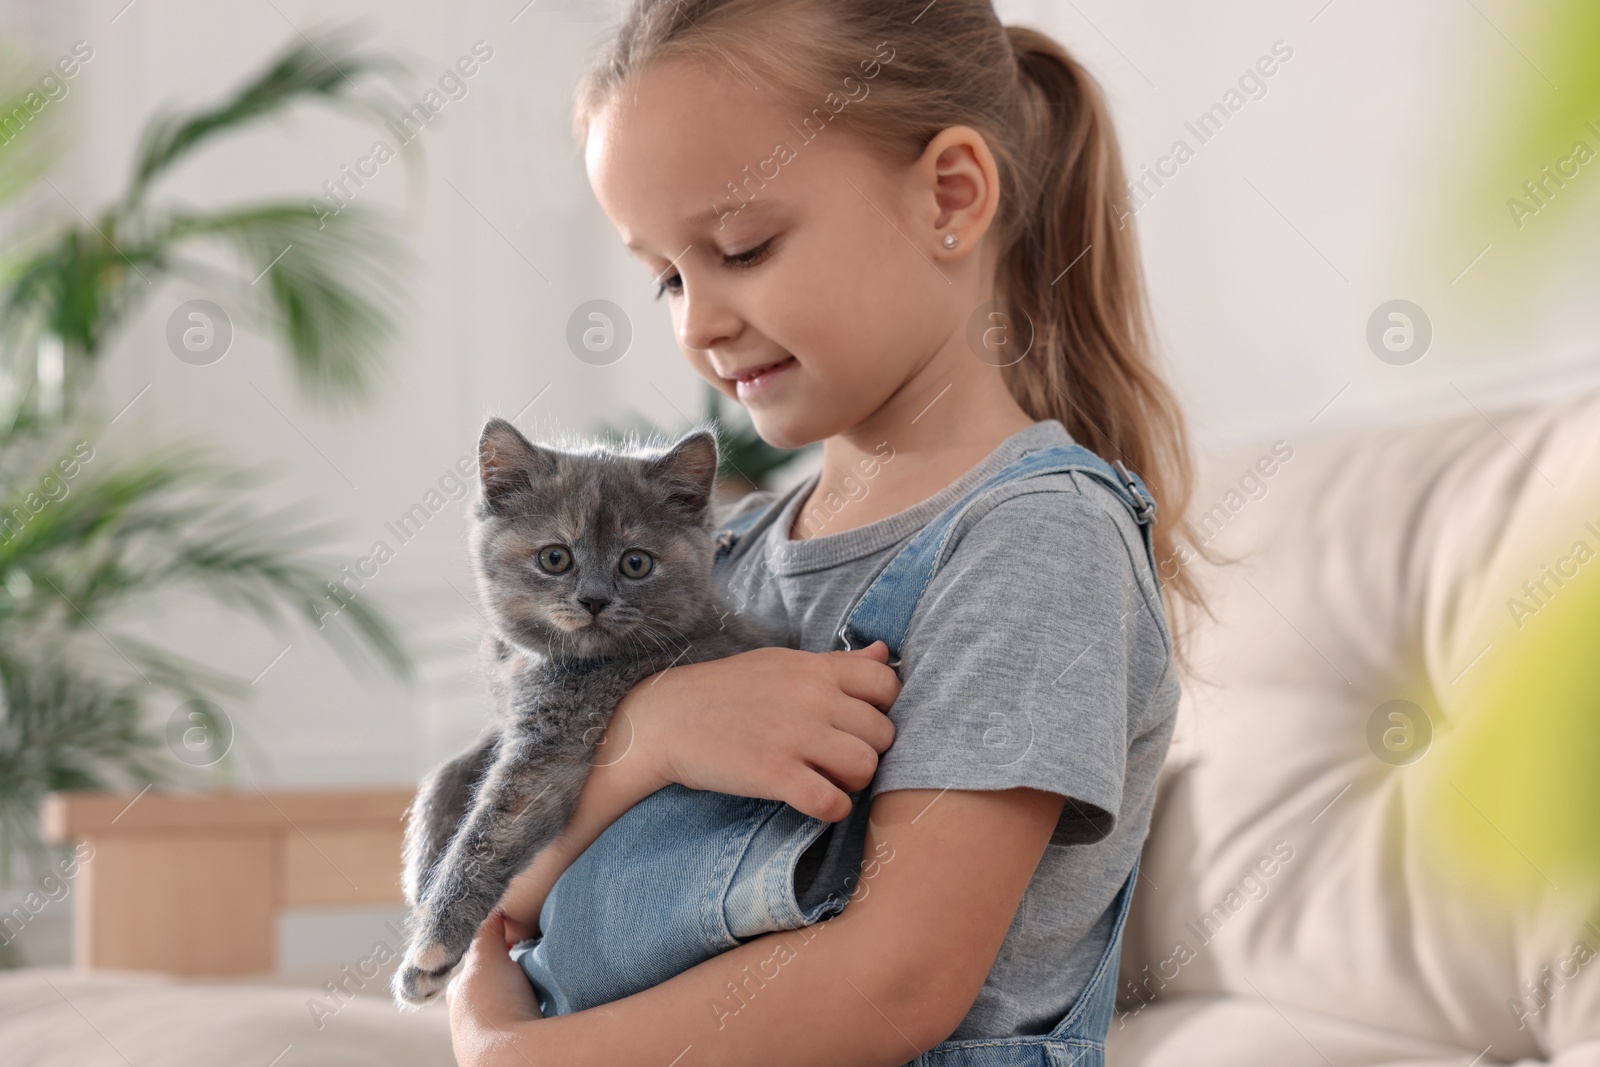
<point>883,612</point>
<point>747,524</point>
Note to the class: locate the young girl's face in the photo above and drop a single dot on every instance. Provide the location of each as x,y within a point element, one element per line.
<point>825,267</point>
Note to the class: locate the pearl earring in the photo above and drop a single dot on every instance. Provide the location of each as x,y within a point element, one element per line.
<point>951,240</point>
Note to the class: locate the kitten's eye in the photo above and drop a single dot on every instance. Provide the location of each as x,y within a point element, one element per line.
<point>637,563</point>
<point>555,559</point>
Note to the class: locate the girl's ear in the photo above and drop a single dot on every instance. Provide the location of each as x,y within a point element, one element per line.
<point>508,463</point>
<point>688,471</point>
<point>964,183</point>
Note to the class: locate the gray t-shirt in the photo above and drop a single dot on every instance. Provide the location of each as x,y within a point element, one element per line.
<point>1039,656</point>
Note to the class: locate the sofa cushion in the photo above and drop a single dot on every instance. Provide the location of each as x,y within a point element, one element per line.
<point>1223,1031</point>
<point>60,1017</point>
<point>1295,856</point>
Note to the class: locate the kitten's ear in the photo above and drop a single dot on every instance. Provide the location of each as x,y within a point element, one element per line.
<point>508,463</point>
<point>688,470</point>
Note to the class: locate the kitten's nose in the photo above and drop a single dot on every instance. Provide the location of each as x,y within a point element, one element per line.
<point>594,603</point>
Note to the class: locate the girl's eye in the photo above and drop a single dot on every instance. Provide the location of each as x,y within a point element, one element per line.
<point>636,563</point>
<point>742,261</point>
<point>752,257</point>
<point>555,559</point>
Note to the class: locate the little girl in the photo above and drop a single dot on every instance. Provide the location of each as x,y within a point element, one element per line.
<point>898,228</point>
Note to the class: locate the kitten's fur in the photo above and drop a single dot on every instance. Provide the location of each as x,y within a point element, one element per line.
<point>556,666</point>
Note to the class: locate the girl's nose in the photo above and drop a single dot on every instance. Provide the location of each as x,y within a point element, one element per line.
<point>706,321</point>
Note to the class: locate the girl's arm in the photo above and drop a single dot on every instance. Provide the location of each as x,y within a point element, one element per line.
<point>883,981</point>
<point>773,723</point>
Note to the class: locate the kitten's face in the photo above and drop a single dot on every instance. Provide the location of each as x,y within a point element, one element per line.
<point>597,554</point>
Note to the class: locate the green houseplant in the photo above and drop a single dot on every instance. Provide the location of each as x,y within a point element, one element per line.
<point>83,538</point>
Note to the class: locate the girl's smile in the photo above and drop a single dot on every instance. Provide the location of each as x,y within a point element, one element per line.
<point>759,381</point>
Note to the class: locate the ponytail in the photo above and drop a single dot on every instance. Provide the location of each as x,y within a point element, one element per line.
<point>1074,274</point>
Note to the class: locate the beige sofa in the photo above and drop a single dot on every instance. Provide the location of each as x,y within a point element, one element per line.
<point>1297,905</point>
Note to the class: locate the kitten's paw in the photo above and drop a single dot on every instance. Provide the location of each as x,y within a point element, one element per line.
<point>433,956</point>
<point>415,985</point>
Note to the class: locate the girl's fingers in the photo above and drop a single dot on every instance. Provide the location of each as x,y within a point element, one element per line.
<point>861,720</point>
<point>490,988</point>
<point>867,679</point>
<point>517,931</point>
<point>846,760</point>
<point>811,793</point>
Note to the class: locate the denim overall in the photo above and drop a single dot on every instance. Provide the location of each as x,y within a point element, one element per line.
<point>687,874</point>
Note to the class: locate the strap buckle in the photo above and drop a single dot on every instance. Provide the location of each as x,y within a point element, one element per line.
<point>844,639</point>
<point>1145,507</point>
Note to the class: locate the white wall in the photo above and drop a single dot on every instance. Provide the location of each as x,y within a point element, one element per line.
<point>1266,254</point>
<point>1275,242</point>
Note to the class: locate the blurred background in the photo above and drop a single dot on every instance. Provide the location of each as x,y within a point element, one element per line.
<point>371,288</point>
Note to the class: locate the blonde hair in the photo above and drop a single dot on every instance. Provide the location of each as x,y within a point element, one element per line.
<point>1069,263</point>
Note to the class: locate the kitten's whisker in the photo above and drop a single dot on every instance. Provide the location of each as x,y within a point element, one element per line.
<point>665,648</point>
<point>653,634</point>
<point>644,653</point>
<point>675,631</point>
<point>665,623</point>
<point>638,633</point>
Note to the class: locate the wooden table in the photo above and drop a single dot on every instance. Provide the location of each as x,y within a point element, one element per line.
<point>192,882</point>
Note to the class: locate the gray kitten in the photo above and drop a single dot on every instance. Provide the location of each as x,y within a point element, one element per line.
<point>594,570</point>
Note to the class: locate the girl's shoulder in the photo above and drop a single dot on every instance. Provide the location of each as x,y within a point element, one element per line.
<point>1057,508</point>
<point>1029,541</point>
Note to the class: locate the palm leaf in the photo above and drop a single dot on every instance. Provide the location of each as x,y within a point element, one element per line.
<point>333,292</point>
<point>64,727</point>
<point>29,148</point>
<point>76,684</point>
<point>172,519</point>
<point>330,287</point>
<point>327,67</point>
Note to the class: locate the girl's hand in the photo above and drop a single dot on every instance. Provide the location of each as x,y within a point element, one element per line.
<point>489,997</point>
<point>518,931</point>
<point>805,728</point>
